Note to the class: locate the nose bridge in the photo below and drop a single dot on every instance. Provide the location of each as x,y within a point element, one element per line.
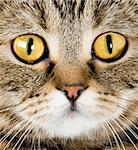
<point>71,68</point>
<point>70,74</point>
<point>70,42</point>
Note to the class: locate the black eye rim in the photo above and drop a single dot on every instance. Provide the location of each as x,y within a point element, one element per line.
<point>113,59</point>
<point>45,54</point>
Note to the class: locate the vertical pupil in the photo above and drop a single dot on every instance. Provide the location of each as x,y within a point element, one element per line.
<point>29,48</point>
<point>109,43</point>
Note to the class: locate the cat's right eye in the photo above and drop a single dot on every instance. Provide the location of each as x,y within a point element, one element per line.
<point>29,48</point>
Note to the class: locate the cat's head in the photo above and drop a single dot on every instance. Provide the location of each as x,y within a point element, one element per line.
<point>69,68</point>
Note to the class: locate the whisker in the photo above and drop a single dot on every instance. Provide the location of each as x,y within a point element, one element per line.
<point>116,141</point>
<point>126,134</point>
<point>129,129</point>
<point>23,135</point>
<point>10,132</point>
<point>39,142</point>
<point>9,120</point>
<point>32,145</point>
<point>109,139</point>
<point>55,144</point>
<point>129,121</point>
<point>15,135</point>
<point>117,135</point>
<point>23,140</point>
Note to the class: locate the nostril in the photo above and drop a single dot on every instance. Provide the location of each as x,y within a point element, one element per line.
<point>79,92</point>
<point>65,92</point>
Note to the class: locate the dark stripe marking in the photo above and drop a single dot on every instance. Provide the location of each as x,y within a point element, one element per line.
<point>81,7</point>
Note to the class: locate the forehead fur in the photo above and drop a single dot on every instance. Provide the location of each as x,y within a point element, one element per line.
<point>49,14</point>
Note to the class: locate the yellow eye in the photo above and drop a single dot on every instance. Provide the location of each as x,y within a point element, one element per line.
<point>29,48</point>
<point>110,46</point>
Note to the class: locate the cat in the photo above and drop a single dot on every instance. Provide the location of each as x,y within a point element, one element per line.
<point>68,74</point>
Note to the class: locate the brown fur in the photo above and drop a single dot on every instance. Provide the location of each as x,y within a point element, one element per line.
<point>24,87</point>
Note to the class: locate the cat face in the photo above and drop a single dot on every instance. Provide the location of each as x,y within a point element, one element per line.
<point>65,88</point>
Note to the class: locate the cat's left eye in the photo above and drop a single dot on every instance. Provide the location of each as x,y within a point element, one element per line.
<point>29,48</point>
<point>110,46</point>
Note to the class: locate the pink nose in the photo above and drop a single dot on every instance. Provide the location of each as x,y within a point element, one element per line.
<point>72,92</point>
